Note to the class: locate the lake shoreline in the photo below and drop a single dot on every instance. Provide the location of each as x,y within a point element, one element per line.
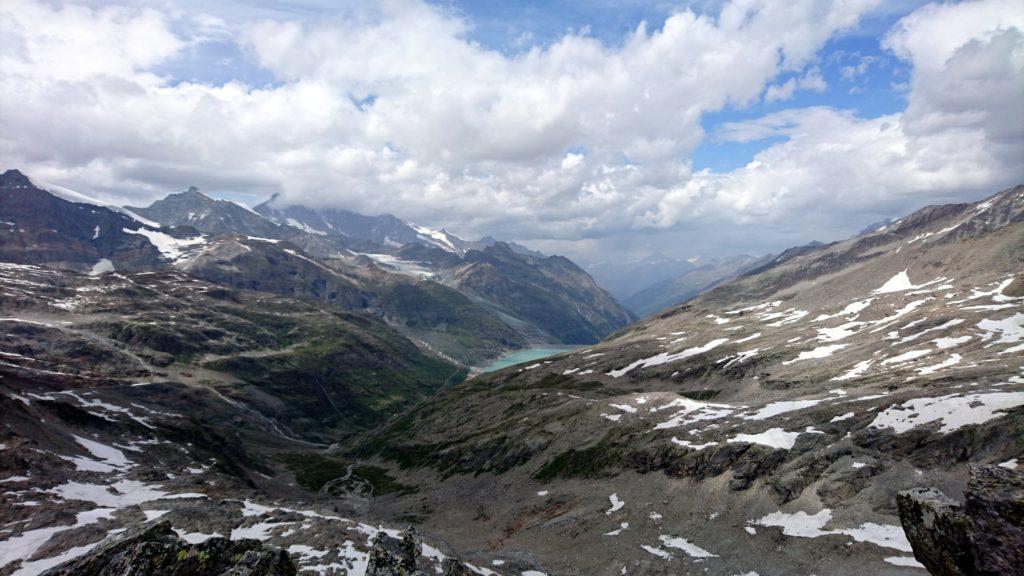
<point>521,356</point>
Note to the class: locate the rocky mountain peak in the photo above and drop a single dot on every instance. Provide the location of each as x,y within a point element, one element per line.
<point>190,194</point>
<point>194,191</point>
<point>14,179</point>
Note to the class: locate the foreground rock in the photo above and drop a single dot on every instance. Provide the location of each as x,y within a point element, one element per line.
<point>394,557</point>
<point>984,535</point>
<point>157,549</point>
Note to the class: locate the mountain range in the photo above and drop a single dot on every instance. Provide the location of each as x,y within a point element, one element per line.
<point>465,301</point>
<point>280,390</point>
<point>702,276</point>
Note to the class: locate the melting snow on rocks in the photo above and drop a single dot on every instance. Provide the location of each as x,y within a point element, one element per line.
<point>773,438</point>
<point>171,247</point>
<point>616,504</point>
<point>953,411</point>
<point>665,357</point>
<point>804,525</point>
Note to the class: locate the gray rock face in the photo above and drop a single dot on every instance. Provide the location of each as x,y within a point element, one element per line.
<point>938,530</point>
<point>393,557</point>
<point>994,502</point>
<point>157,549</point>
<point>984,535</point>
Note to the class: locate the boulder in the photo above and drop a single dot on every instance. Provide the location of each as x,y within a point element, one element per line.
<point>982,536</point>
<point>394,557</point>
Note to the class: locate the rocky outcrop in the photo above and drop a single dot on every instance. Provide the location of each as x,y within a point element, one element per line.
<point>394,557</point>
<point>984,535</point>
<point>157,549</point>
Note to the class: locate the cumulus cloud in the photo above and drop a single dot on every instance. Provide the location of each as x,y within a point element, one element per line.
<point>961,135</point>
<point>393,108</point>
<point>812,80</point>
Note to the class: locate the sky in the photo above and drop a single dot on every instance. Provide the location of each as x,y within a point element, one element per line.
<point>605,130</point>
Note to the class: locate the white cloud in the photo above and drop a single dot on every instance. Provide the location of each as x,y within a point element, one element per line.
<point>962,133</point>
<point>75,43</point>
<point>392,108</point>
<point>812,80</point>
<point>571,161</point>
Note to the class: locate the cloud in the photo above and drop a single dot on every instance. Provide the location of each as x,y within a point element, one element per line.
<point>812,80</point>
<point>571,161</point>
<point>961,134</point>
<point>392,107</point>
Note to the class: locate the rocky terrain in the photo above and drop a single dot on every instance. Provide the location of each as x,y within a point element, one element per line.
<point>764,427</point>
<point>237,389</point>
<point>184,361</point>
<point>983,535</point>
<point>132,398</point>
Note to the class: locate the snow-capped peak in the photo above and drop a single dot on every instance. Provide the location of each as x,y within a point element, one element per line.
<point>73,196</point>
<point>439,238</point>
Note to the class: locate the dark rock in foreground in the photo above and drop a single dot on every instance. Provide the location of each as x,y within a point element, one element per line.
<point>393,557</point>
<point>984,535</point>
<point>158,550</point>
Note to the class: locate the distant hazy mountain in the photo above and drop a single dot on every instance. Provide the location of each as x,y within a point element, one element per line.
<point>674,291</point>
<point>384,229</point>
<point>877,226</point>
<point>623,279</point>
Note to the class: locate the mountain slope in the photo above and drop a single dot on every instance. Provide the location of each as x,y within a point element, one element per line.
<point>764,426</point>
<point>193,208</point>
<point>681,288</point>
<point>41,227</point>
<point>131,399</point>
<point>545,298</point>
<point>552,293</point>
<point>538,299</point>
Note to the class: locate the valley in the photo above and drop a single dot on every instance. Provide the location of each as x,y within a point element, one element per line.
<point>315,398</point>
<point>545,288</point>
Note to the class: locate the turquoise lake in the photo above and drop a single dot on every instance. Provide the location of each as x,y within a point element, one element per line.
<point>530,354</point>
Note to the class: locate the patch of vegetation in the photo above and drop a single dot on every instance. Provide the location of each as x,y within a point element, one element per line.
<point>591,462</point>
<point>313,471</point>
<point>342,377</point>
<point>380,480</point>
<point>702,395</point>
<point>411,455</point>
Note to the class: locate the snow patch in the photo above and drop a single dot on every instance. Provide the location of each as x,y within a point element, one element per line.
<point>953,411</point>
<point>102,267</point>
<point>665,357</point>
<point>616,504</point>
<point>773,438</point>
<point>169,246</point>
